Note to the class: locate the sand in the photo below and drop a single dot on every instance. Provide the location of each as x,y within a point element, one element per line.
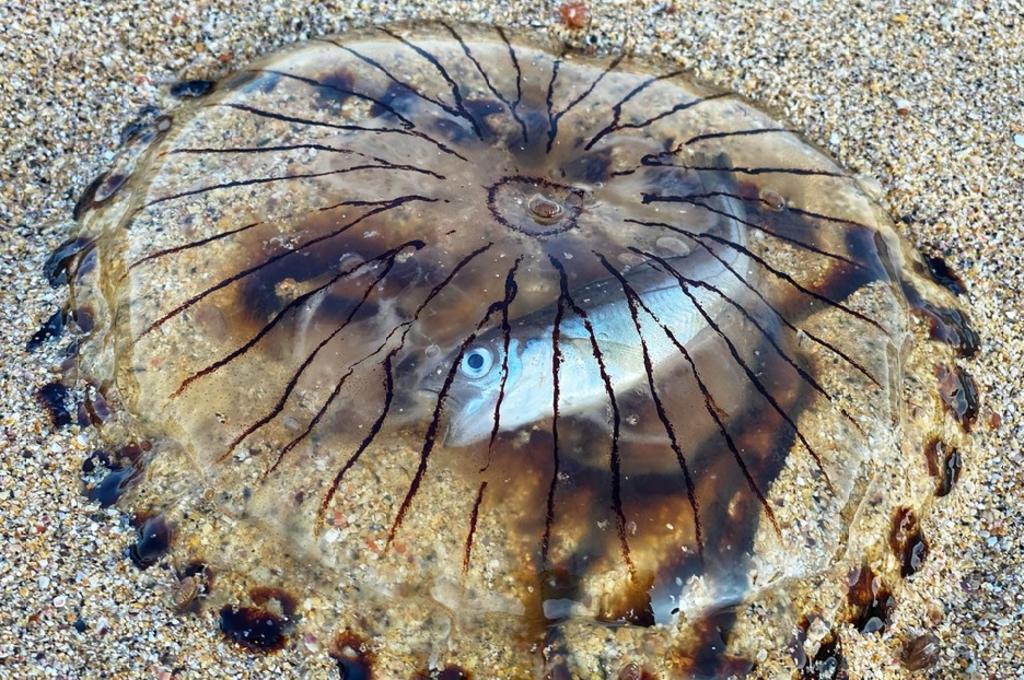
<point>927,100</point>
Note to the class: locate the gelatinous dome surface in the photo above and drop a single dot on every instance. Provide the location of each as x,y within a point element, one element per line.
<point>431,315</point>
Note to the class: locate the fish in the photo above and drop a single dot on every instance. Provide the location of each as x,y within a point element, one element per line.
<point>471,400</point>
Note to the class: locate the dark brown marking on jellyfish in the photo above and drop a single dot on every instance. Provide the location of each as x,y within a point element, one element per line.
<point>143,123</point>
<point>382,206</point>
<point>430,437</point>
<point>946,325</point>
<point>631,299</point>
<point>190,89</point>
<point>343,127</point>
<point>713,410</point>
<point>655,198</point>
<point>85,201</point>
<point>57,267</point>
<point>251,181</point>
<point>775,310</point>
<point>293,381</point>
<point>293,305</point>
<point>342,88</point>
<point>959,394</point>
<point>190,245</point>
<point>51,329</point>
<point>614,464</point>
<point>952,327</point>
<point>944,464</point>
<point>870,603</point>
<point>326,148</point>
<point>511,290</point>
<point>487,80</point>
<point>556,370</point>
<point>731,133</point>
<point>942,274</point>
<point>253,628</point>
<point>617,107</point>
<point>553,117</point>
<point>387,366</point>
<point>113,485</point>
<point>460,106</point>
<point>761,261</point>
<point>282,600</point>
<point>589,168</point>
<point>152,540</point>
<point>55,398</point>
<point>353,656</point>
<point>473,517</point>
<point>93,409</point>
<point>684,284</point>
<point>907,541</point>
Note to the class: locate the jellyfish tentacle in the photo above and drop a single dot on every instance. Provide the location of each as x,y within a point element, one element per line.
<point>326,148</point>
<point>728,134</point>
<point>713,411</point>
<point>659,406</point>
<point>652,198</point>
<point>804,375</point>
<point>471,532</point>
<point>511,290</point>
<point>553,117</point>
<point>313,82</point>
<point>519,78</point>
<point>614,462</point>
<point>617,107</point>
<point>460,106</point>
<point>556,463</point>
<point>487,80</point>
<point>252,181</point>
<point>430,437</point>
<point>761,261</point>
<point>343,127</point>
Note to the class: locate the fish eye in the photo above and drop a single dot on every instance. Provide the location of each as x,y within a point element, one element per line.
<point>476,362</point>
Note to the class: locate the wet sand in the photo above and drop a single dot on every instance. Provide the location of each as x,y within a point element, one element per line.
<point>928,102</point>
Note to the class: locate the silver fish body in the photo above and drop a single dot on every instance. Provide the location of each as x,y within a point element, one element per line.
<point>529,387</point>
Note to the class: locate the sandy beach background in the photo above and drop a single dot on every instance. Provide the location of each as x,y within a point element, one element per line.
<point>927,98</point>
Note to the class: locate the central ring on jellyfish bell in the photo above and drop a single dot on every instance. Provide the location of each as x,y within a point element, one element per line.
<point>535,206</point>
